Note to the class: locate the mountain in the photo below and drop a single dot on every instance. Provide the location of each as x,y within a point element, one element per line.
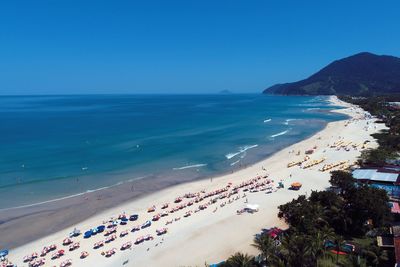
<point>360,74</point>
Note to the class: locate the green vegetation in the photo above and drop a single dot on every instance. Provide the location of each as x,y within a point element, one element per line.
<point>389,140</point>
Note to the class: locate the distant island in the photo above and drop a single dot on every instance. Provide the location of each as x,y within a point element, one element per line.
<point>363,74</point>
<point>225,92</point>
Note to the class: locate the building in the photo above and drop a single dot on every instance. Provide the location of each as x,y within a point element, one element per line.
<point>387,178</point>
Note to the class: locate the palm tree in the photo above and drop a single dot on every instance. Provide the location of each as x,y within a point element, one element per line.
<point>239,260</point>
<point>318,241</point>
<point>296,250</point>
<point>268,248</point>
<point>356,261</point>
<point>338,244</point>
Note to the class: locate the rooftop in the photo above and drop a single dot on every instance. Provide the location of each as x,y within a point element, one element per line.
<point>379,175</point>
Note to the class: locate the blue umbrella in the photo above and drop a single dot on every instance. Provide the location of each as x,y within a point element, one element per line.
<point>100,228</point>
<point>88,234</point>
<point>3,253</point>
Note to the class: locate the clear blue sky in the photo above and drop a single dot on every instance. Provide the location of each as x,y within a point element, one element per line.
<point>67,46</point>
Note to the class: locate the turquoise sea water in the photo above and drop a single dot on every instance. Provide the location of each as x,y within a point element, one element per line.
<point>56,146</point>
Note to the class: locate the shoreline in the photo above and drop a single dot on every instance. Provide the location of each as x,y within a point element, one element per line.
<point>97,199</point>
<point>274,163</point>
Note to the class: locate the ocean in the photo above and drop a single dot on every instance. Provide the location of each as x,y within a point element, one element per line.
<point>54,147</point>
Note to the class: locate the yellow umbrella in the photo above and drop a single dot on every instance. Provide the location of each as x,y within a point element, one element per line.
<point>296,184</point>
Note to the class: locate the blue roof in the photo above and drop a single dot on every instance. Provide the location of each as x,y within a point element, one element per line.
<point>375,175</point>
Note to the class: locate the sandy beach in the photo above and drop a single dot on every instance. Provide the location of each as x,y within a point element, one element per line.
<point>212,234</point>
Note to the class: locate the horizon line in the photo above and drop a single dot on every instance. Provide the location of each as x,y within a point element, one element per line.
<point>115,94</point>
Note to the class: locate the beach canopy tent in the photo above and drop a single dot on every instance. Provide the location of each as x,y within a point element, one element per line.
<point>253,207</point>
<point>3,253</point>
<point>375,175</point>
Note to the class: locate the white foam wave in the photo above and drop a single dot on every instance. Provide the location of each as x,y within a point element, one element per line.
<point>234,163</point>
<point>231,155</point>
<point>71,196</point>
<point>241,151</point>
<point>313,108</point>
<point>190,166</point>
<point>279,134</point>
<point>288,120</point>
<point>267,120</point>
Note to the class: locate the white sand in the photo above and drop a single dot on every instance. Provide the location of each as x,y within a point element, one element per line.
<point>207,236</point>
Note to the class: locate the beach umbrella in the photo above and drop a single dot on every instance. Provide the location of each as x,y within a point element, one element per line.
<point>3,253</point>
<point>296,184</point>
<point>88,234</point>
<point>75,232</point>
<point>100,228</point>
